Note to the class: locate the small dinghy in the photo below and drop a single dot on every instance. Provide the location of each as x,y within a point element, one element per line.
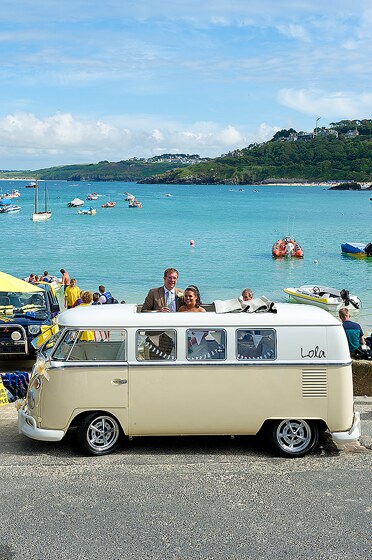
<point>325,297</point>
<point>358,250</point>
<point>287,247</point>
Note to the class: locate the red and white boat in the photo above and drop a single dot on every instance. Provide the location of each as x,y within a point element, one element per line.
<point>134,204</point>
<point>92,196</point>
<point>13,194</point>
<point>287,247</point>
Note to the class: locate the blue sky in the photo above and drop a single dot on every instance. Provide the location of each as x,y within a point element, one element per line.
<point>87,80</point>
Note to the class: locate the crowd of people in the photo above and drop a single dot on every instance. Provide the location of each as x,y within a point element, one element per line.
<point>35,278</point>
<point>167,298</point>
<point>73,296</point>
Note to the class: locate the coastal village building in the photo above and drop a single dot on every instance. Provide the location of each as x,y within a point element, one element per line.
<point>352,133</point>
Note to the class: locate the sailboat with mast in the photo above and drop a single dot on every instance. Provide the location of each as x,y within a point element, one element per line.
<point>44,214</point>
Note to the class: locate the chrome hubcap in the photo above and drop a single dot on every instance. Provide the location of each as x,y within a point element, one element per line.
<point>102,433</point>
<point>293,435</point>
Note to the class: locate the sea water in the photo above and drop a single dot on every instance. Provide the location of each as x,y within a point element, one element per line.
<point>127,249</point>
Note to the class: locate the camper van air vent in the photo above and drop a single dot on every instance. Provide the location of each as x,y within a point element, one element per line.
<point>314,383</point>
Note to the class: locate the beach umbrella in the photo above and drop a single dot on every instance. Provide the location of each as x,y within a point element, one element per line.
<point>10,283</point>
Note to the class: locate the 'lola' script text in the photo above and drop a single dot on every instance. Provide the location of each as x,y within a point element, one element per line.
<point>316,353</point>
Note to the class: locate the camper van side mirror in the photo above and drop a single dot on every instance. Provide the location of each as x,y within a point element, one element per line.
<point>55,307</point>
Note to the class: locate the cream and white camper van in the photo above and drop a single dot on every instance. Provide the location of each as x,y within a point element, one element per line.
<point>113,371</point>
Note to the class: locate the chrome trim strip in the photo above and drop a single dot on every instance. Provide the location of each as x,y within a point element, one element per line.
<point>249,363</point>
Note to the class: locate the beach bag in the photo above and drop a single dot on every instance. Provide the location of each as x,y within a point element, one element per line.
<point>361,354</point>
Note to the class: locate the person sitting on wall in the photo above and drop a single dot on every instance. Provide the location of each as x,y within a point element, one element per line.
<point>353,331</point>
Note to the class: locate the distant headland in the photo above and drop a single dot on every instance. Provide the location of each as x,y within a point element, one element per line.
<point>340,153</point>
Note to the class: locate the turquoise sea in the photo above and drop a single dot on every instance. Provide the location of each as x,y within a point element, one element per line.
<point>127,249</point>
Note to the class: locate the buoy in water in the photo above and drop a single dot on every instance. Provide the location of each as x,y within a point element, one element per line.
<point>192,243</point>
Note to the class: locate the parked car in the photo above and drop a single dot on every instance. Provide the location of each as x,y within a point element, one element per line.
<point>25,315</point>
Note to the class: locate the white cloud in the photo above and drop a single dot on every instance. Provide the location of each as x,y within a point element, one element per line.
<point>341,104</point>
<point>63,138</point>
<point>265,132</point>
<point>230,136</point>
<point>157,135</point>
<point>294,30</point>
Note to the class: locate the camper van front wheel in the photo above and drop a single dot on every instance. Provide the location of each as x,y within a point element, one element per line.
<point>98,433</point>
<point>294,438</point>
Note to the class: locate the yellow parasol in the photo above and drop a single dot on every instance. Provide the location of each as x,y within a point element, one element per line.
<point>9,283</point>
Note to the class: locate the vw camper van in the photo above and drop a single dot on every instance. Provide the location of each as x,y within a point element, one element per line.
<point>112,371</point>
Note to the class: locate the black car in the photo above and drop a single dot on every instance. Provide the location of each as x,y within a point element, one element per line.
<point>23,317</point>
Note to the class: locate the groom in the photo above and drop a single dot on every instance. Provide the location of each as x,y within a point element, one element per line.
<point>166,298</point>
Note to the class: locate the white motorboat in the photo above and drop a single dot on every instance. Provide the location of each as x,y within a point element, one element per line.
<point>75,203</point>
<point>325,297</point>
<point>9,208</point>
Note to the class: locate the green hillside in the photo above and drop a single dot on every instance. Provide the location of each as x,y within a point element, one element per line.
<point>125,170</point>
<point>131,170</point>
<point>330,155</point>
<point>341,152</point>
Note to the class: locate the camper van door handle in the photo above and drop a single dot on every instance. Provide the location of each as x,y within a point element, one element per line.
<point>119,381</point>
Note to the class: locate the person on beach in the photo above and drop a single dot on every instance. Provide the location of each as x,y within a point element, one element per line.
<point>166,298</point>
<point>105,297</point>
<point>247,294</point>
<point>45,277</point>
<point>191,298</point>
<point>86,299</point>
<point>30,279</point>
<point>72,294</point>
<point>65,280</point>
<point>79,300</point>
<point>353,331</point>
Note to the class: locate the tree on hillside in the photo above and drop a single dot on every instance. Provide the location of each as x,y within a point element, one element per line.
<point>284,133</point>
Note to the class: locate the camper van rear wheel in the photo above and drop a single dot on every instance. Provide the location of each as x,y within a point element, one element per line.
<point>294,438</point>
<point>98,433</point>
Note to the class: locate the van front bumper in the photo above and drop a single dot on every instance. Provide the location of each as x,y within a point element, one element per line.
<point>351,435</point>
<point>27,426</point>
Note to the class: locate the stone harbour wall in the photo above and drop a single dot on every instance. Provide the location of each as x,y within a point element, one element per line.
<point>362,378</point>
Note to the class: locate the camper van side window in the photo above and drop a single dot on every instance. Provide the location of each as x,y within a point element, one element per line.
<point>93,346</point>
<point>156,345</point>
<point>206,344</point>
<point>256,344</point>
